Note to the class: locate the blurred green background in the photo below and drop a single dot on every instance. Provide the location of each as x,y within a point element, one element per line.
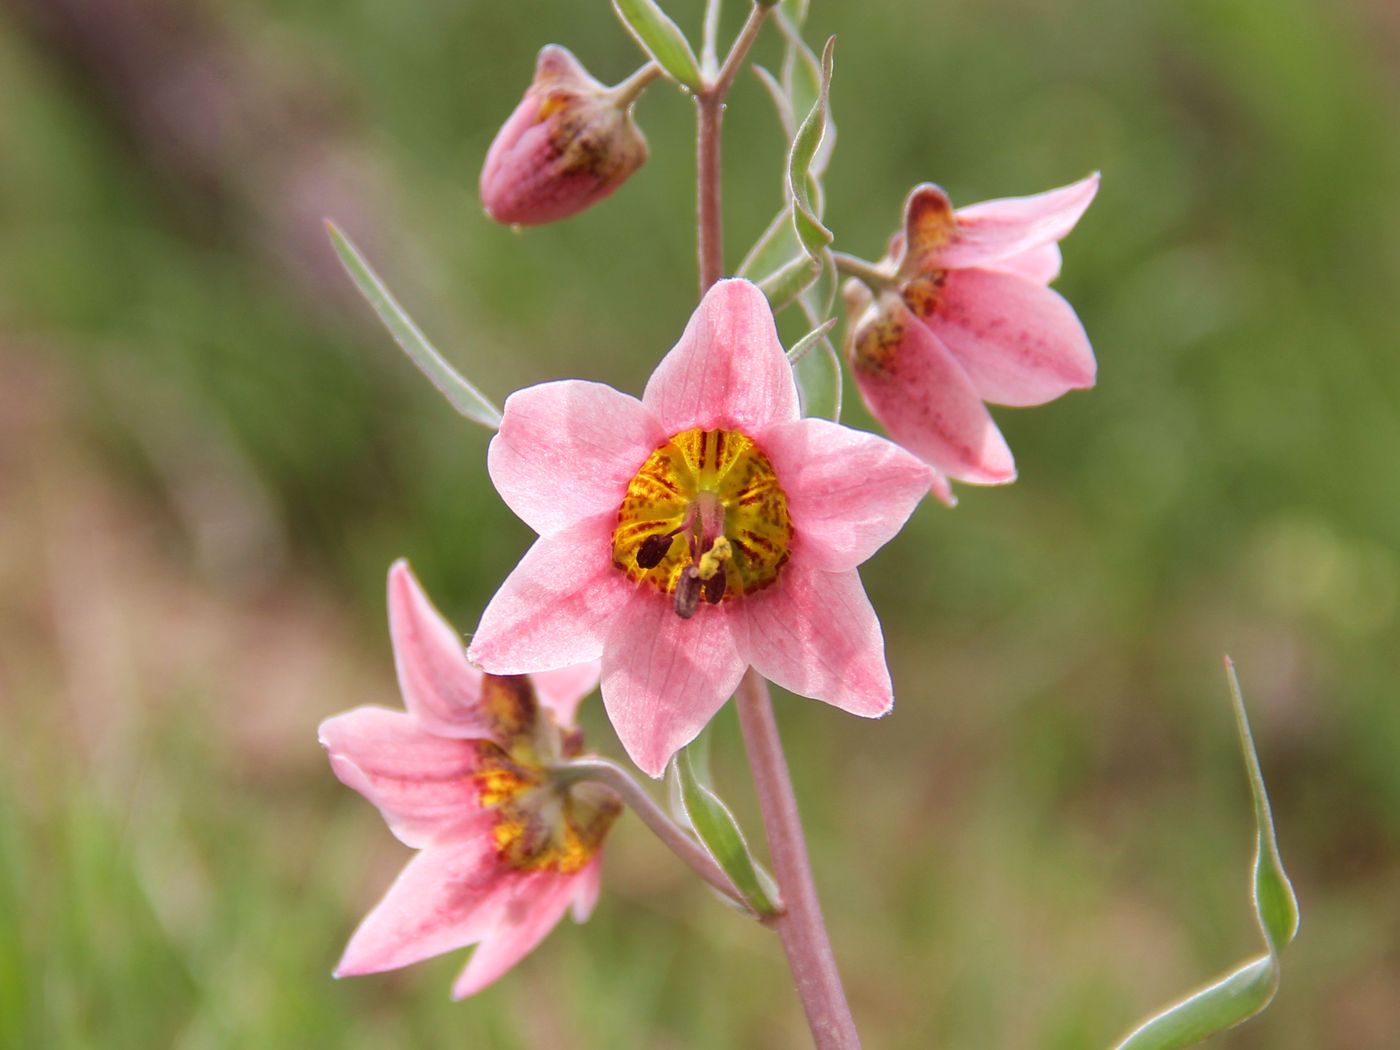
<point>209,454</point>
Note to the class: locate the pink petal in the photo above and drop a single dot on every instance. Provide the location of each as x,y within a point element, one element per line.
<point>561,691</point>
<point>848,492</point>
<point>566,451</point>
<point>419,781</point>
<point>440,688</point>
<point>1019,342</point>
<point>442,900</point>
<point>586,885</point>
<point>534,906</point>
<point>665,677</point>
<point>728,370</point>
<point>997,229</point>
<point>556,608</point>
<point>815,634</point>
<point>940,489</point>
<point>922,396</point>
<point>1041,265</point>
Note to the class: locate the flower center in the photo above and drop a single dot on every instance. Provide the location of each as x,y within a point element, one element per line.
<point>704,517</point>
<point>540,825</point>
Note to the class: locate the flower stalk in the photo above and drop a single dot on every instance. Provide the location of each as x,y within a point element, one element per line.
<point>613,776</point>
<point>801,928</point>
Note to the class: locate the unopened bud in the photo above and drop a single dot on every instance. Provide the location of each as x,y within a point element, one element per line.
<point>569,144</point>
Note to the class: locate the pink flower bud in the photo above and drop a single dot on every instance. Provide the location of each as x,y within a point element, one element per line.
<point>569,144</point>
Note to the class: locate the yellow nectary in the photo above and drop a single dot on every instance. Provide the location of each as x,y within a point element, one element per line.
<point>699,486</point>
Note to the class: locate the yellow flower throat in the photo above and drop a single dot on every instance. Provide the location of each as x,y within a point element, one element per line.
<point>704,517</point>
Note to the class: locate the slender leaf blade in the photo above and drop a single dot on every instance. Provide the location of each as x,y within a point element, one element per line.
<point>717,829</point>
<point>459,391</point>
<point>1247,990</point>
<point>661,39</point>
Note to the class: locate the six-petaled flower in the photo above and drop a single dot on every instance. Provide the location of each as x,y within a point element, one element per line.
<point>696,532</point>
<point>464,776</point>
<point>968,318</point>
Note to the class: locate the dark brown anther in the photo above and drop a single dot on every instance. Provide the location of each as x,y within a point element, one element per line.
<point>653,549</point>
<point>688,593</point>
<point>714,587</point>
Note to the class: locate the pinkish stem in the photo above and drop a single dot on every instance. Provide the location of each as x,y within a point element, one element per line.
<point>709,105</point>
<point>800,926</point>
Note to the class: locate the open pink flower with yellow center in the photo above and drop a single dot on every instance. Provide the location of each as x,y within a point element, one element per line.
<point>969,318</point>
<point>464,776</point>
<point>701,530</point>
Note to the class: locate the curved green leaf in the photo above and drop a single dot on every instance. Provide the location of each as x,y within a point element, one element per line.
<point>813,235</point>
<point>717,829</point>
<point>661,39</point>
<point>1245,991</point>
<point>465,397</point>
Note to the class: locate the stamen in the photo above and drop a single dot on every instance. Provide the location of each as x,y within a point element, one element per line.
<point>714,588</point>
<point>653,549</point>
<point>712,561</point>
<point>688,592</point>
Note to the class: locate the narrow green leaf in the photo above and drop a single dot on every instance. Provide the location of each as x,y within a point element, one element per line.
<point>818,370</point>
<point>790,280</point>
<point>813,235</point>
<point>779,98</point>
<point>465,397</point>
<point>775,245</point>
<point>1245,991</point>
<point>795,11</point>
<point>660,38</point>
<point>810,341</point>
<point>719,832</point>
<point>802,82</point>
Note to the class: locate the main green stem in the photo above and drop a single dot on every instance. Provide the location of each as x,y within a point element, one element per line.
<point>800,926</point>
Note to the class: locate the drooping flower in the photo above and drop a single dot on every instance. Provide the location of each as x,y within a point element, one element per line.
<point>968,318</point>
<point>463,776</point>
<point>568,144</point>
<point>701,530</point>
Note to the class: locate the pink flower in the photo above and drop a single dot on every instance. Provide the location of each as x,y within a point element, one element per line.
<point>968,318</point>
<point>698,531</point>
<point>569,144</point>
<point>463,776</point>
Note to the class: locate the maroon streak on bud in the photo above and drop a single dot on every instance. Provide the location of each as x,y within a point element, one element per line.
<point>570,142</point>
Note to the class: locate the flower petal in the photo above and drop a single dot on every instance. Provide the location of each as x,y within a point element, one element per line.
<point>566,451</point>
<point>563,690</point>
<point>921,395</point>
<point>556,608</point>
<point>442,900</point>
<point>998,229</point>
<point>440,688</point>
<point>419,781</point>
<point>1041,265</point>
<point>728,370</point>
<point>1019,342</point>
<point>533,907</point>
<point>848,492</point>
<point>586,886</point>
<point>816,634</point>
<point>665,677</point>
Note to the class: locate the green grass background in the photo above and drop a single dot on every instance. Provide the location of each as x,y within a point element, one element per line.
<point>202,483</point>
